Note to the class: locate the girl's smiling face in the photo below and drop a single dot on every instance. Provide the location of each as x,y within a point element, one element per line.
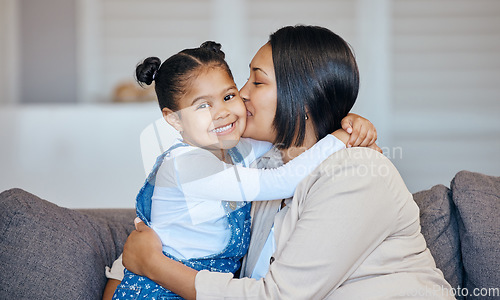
<point>260,96</point>
<point>211,114</point>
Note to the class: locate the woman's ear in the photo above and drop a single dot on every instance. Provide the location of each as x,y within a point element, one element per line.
<point>307,113</point>
<point>172,118</point>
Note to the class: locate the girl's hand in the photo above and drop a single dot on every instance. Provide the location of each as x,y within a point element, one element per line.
<point>362,131</point>
<point>141,248</point>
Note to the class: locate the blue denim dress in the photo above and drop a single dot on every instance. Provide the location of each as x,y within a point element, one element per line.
<point>228,260</point>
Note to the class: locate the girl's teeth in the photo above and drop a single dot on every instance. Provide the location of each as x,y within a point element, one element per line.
<point>221,129</point>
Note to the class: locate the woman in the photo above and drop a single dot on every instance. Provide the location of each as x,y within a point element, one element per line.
<point>352,230</point>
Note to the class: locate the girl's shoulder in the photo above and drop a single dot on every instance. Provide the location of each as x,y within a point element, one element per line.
<point>251,143</point>
<point>182,149</point>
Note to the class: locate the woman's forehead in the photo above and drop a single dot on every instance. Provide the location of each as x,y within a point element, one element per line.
<point>263,59</point>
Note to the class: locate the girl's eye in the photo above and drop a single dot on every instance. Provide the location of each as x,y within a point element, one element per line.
<point>228,97</point>
<point>256,83</point>
<point>203,105</point>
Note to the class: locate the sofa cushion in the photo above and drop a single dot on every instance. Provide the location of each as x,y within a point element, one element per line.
<point>440,228</point>
<point>477,197</point>
<point>50,252</point>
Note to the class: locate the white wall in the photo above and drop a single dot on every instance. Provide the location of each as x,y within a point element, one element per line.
<point>429,81</point>
<point>75,155</point>
<point>446,93</point>
<point>47,50</point>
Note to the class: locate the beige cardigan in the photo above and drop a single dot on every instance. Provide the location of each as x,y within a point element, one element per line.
<point>352,231</point>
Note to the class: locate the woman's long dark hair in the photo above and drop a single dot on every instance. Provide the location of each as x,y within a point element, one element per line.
<point>315,71</point>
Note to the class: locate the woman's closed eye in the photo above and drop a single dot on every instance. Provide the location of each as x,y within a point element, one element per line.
<point>255,82</point>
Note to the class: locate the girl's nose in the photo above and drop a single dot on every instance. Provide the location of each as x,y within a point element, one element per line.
<point>222,112</point>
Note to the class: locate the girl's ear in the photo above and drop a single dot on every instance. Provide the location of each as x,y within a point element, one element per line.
<point>172,118</point>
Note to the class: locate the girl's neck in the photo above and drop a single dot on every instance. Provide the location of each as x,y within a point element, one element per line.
<point>219,153</point>
<point>222,155</point>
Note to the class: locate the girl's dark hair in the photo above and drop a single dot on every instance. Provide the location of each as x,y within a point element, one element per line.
<point>173,76</point>
<point>315,71</point>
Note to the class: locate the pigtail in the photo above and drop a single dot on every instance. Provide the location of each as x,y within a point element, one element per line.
<point>214,47</point>
<point>147,71</point>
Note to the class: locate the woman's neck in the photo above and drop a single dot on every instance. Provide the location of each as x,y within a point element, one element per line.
<point>292,152</point>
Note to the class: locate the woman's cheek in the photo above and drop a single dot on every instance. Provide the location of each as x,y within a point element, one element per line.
<point>258,130</point>
<point>249,132</point>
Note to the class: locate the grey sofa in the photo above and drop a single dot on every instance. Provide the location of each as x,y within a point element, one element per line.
<point>50,252</point>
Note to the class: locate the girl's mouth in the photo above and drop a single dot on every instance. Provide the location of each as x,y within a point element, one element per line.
<point>249,114</point>
<point>223,129</point>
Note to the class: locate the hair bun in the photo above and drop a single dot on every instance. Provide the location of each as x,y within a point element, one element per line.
<point>213,46</point>
<point>146,71</point>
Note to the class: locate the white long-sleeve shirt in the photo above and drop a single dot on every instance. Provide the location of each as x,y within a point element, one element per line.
<point>191,183</point>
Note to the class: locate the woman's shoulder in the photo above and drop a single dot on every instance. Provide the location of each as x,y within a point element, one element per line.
<point>360,170</point>
<point>361,158</point>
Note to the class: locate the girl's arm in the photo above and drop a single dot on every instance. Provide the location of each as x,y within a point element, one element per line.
<point>357,132</point>
<point>362,131</point>
<point>201,175</point>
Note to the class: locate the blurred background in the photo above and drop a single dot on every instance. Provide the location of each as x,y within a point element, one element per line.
<point>71,115</point>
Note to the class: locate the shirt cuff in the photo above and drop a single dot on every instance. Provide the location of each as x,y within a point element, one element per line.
<point>211,285</point>
<point>336,140</point>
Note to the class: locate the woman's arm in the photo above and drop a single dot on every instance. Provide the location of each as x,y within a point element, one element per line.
<point>339,215</point>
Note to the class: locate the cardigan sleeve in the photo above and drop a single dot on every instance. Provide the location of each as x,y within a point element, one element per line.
<point>339,215</point>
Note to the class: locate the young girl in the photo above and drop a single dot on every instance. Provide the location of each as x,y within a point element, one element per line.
<point>196,197</point>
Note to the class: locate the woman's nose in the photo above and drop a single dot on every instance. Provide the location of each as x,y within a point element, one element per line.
<point>244,93</point>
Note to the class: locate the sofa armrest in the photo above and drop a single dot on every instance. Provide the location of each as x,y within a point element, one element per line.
<point>51,252</point>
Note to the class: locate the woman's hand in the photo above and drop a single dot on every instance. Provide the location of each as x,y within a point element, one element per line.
<point>362,131</point>
<point>143,255</point>
<point>141,248</point>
